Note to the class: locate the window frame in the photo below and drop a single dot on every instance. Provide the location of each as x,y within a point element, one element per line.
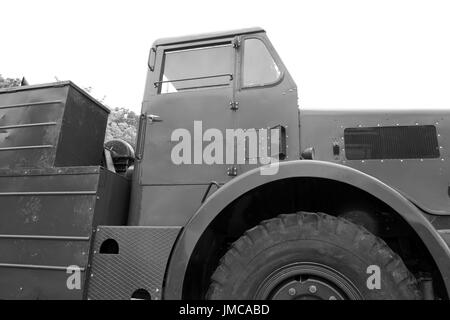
<point>272,54</point>
<point>193,46</point>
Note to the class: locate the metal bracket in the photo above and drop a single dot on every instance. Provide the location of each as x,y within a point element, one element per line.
<point>232,171</point>
<point>336,149</point>
<point>212,183</point>
<point>237,42</point>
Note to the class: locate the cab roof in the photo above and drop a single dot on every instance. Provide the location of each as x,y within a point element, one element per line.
<point>206,36</point>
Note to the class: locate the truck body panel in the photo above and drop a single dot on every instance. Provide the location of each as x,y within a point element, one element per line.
<point>424,181</point>
<point>183,108</point>
<point>50,125</point>
<point>190,238</point>
<point>136,269</point>
<point>46,225</point>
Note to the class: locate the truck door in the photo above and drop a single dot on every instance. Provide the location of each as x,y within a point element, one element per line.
<point>193,86</point>
<point>266,98</point>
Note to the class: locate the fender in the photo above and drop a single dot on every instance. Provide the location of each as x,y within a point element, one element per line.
<point>193,230</point>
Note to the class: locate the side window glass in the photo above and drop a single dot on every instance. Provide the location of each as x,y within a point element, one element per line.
<point>259,68</point>
<point>193,69</point>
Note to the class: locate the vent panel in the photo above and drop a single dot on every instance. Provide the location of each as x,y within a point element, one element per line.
<point>395,142</point>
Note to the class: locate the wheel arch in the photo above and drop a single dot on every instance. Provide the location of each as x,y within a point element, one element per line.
<point>216,203</point>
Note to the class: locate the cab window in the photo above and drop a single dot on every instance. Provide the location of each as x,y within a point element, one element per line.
<point>197,68</point>
<point>259,68</point>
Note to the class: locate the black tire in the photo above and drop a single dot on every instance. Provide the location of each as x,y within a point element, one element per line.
<point>310,256</point>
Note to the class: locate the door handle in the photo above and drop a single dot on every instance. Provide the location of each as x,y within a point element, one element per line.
<point>154,118</point>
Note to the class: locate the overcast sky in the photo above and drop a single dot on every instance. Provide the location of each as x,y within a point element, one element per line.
<point>341,53</point>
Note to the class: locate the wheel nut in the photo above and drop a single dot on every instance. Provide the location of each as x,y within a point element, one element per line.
<point>292,291</point>
<point>312,289</point>
<point>332,298</point>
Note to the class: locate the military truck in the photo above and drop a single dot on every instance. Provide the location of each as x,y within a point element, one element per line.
<point>357,205</point>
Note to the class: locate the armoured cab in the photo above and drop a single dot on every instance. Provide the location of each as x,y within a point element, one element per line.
<point>203,92</point>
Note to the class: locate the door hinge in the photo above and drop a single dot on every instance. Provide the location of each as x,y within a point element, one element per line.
<point>237,42</point>
<point>234,105</point>
<point>232,171</point>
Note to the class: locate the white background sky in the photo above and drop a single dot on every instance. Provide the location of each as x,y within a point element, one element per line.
<point>341,53</point>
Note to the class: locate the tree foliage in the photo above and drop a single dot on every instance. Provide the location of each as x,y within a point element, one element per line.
<point>9,82</point>
<point>122,124</point>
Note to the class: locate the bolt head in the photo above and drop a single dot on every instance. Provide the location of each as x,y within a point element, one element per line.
<point>292,291</point>
<point>312,289</point>
<point>332,298</point>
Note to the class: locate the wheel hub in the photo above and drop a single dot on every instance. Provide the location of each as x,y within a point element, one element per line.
<point>307,281</point>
